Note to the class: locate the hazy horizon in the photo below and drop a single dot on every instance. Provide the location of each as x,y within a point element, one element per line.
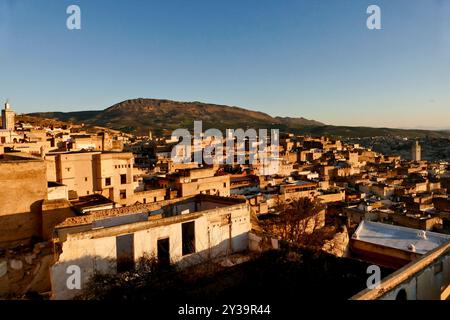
<point>292,58</point>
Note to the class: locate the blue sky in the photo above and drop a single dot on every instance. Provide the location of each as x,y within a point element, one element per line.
<point>312,58</point>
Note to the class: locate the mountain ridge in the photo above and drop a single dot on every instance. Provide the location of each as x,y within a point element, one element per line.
<point>162,116</point>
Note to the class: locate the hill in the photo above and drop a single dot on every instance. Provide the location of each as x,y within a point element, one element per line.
<point>138,116</point>
<point>363,132</point>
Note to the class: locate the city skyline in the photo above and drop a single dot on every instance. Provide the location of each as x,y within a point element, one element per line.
<point>224,158</point>
<point>296,58</point>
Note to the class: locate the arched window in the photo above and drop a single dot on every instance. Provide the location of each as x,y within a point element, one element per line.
<point>401,295</point>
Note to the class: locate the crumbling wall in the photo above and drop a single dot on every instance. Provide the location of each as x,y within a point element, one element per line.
<point>339,244</point>
<point>259,242</point>
<point>26,270</point>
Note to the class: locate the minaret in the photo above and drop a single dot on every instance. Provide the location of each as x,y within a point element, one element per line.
<point>416,151</point>
<point>8,117</point>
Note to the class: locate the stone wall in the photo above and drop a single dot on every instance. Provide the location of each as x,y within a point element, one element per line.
<point>332,197</point>
<point>53,213</point>
<point>22,179</point>
<point>26,270</point>
<point>149,196</point>
<point>19,229</point>
<point>24,186</point>
<point>338,245</point>
<point>219,185</point>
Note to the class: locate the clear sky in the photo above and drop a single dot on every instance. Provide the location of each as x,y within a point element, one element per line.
<point>314,58</point>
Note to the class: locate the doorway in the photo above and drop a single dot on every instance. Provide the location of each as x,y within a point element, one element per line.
<point>125,252</point>
<point>164,251</point>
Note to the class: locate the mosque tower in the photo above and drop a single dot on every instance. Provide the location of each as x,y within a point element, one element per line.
<point>416,151</point>
<point>8,117</point>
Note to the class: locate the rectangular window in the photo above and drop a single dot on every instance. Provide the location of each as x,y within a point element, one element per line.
<point>188,237</point>
<point>123,194</point>
<point>163,251</point>
<point>125,252</point>
<point>107,181</point>
<point>123,178</point>
<point>438,267</point>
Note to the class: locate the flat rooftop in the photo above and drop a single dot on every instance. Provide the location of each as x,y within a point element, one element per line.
<point>84,151</point>
<point>17,157</point>
<point>397,237</point>
<point>300,183</point>
<point>167,208</point>
<point>90,201</point>
<point>52,184</point>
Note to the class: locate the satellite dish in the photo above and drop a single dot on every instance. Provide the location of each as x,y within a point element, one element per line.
<point>423,235</point>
